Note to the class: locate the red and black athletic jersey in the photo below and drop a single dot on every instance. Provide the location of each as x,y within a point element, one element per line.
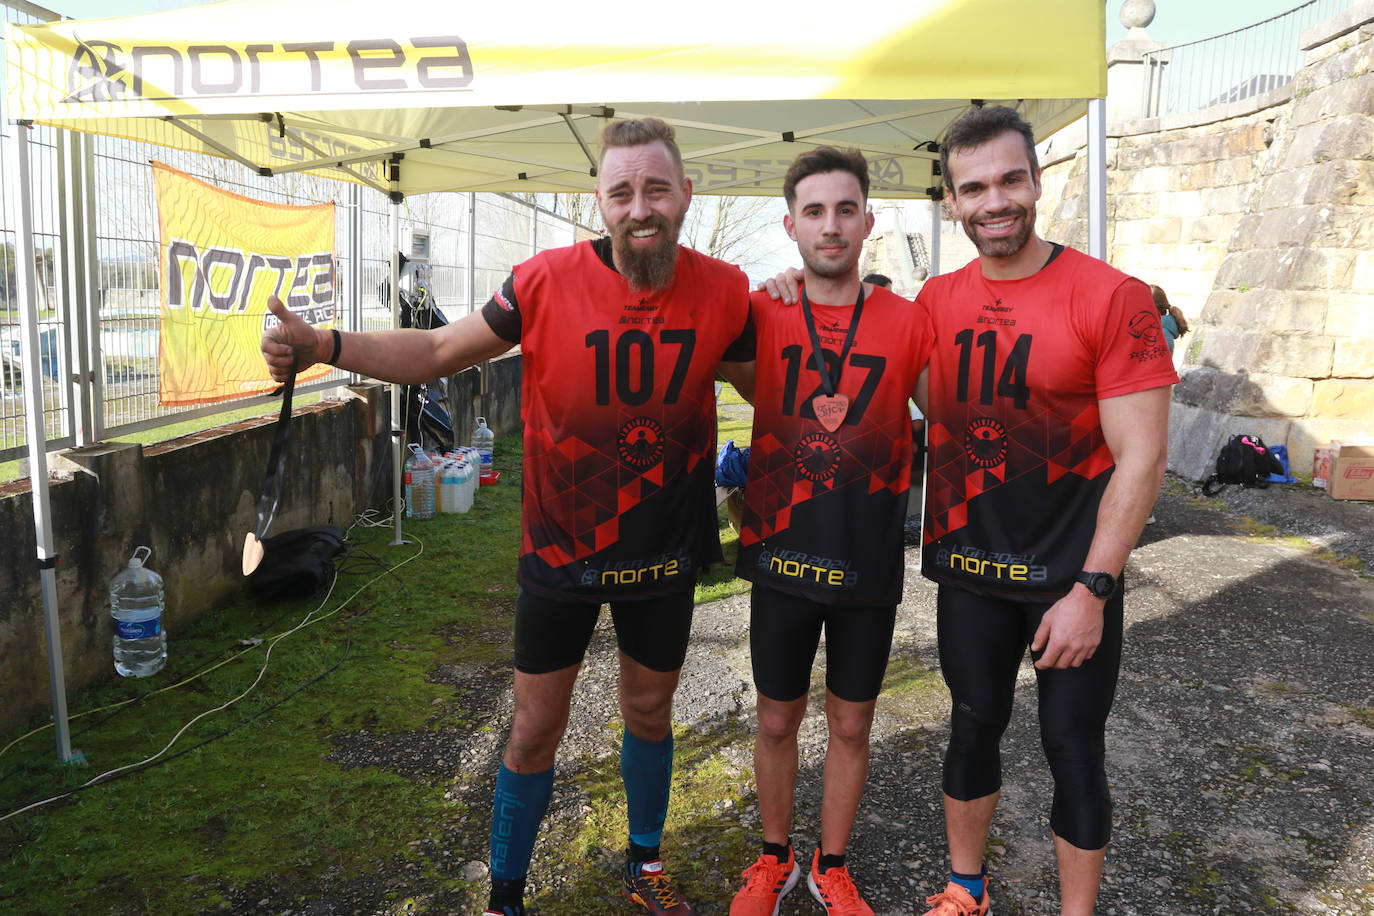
<point>823,511</point>
<point>618,405</point>
<point>1017,461</point>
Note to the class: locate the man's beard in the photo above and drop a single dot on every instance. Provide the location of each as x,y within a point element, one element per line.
<point>652,267</point>
<point>827,269</point>
<point>1004,246</point>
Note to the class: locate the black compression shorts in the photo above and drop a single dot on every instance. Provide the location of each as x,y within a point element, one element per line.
<point>784,631</point>
<point>982,642</point>
<point>551,634</point>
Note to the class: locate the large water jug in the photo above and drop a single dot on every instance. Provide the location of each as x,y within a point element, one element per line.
<point>451,487</point>
<point>419,484</point>
<point>136,603</point>
<point>482,439</point>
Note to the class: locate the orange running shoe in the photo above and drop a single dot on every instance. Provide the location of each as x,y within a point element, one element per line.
<point>835,890</point>
<point>955,901</point>
<point>647,885</point>
<point>766,882</point>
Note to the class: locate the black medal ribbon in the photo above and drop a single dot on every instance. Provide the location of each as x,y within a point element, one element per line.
<point>269,498</point>
<point>829,384</point>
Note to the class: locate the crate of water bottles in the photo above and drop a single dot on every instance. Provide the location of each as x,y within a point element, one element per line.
<point>456,483</point>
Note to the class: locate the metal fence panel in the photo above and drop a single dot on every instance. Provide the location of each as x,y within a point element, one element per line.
<point>1233,66</point>
<point>115,316</point>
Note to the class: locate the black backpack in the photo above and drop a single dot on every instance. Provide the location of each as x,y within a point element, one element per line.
<point>296,564</point>
<point>1245,460</point>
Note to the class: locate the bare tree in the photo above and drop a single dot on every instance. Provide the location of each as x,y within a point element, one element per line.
<point>735,229</point>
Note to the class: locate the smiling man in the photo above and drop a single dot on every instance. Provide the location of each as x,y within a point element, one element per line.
<point>621,340</point>
<point>824,503</point>
<point>1048,432</point>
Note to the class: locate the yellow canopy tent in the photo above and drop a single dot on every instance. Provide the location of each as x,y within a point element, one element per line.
<point>491,97</point>
<point>410,97</point>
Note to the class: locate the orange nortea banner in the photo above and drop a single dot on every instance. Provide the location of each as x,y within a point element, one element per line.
<point>222,256</point>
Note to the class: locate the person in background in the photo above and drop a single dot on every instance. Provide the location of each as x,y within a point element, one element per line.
<point>622,338</point>
<point>918,420</point>
<point>1170,318</point>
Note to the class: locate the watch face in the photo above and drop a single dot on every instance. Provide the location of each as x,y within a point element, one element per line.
<point>1100,584</point>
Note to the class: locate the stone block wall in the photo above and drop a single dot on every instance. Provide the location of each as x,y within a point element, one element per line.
<point>1260,225</point>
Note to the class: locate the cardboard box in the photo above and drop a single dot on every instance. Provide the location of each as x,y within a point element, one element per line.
<point>1352,471</point>
<point>1321,466</point>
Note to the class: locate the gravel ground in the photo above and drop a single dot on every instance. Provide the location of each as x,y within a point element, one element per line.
<point>1239,748</point>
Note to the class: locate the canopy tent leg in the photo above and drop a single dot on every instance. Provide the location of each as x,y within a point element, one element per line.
<point>397,415</point>
<point>1097,178</point>
<point>25,287</point>
<point>934,238</point>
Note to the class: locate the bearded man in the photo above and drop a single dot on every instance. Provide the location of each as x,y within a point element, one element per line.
<point>621,340</point>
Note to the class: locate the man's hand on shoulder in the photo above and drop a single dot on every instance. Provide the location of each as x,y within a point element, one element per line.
<point>785,286</point>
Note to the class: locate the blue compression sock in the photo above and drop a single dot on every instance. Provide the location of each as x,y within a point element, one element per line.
<point>647,769</point>
<point>516,812</point>
<point>971,883</point>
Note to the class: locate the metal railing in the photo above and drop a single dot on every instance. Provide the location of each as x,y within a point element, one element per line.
<point>99,325</point>
<point>1233,66</point>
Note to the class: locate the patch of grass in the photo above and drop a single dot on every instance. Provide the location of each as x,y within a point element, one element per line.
<point>250,791</point>
<point>1263,531</point>
<point>1255,529</point>
<point>1198,501</point>
<point>705,845</point>
<point>1260,530</point>
<point>1351,561</point>
<point>250,794</point>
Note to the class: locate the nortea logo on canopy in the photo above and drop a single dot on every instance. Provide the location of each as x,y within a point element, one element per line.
<point>102,71</point>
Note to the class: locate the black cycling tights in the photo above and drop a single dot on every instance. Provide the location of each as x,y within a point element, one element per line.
<point>982,642</point>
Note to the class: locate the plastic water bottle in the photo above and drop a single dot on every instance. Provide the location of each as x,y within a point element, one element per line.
<point>136,603</point>
<point>419,484</point>
<point>474,458</point>
<point>451,489</point>
<point>467,484</point>
<point>482,440</point>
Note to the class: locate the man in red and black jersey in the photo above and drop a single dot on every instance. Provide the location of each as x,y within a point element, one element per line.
<point>1047,398</point>
<point>621,339</point>
<point>821,530</point>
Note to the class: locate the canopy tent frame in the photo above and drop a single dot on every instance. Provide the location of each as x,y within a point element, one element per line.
<point>465,160</point>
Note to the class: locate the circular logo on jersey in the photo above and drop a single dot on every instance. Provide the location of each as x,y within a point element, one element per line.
<point>817,457</point>
<point>985,443</point>
<point>641,443</point>
<point>1145,327</point>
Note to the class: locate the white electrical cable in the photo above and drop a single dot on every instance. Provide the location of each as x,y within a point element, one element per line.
<point>305,622</point>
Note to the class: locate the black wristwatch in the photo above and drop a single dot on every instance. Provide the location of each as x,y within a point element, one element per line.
<point>1099,583</point>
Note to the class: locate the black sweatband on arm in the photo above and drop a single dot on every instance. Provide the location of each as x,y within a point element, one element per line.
<point>338,345</point>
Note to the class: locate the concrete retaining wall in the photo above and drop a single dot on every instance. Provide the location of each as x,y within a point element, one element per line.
<point>192,500</point>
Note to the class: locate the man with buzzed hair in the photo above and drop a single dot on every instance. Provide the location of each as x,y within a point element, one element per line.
<point>621,340</point>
